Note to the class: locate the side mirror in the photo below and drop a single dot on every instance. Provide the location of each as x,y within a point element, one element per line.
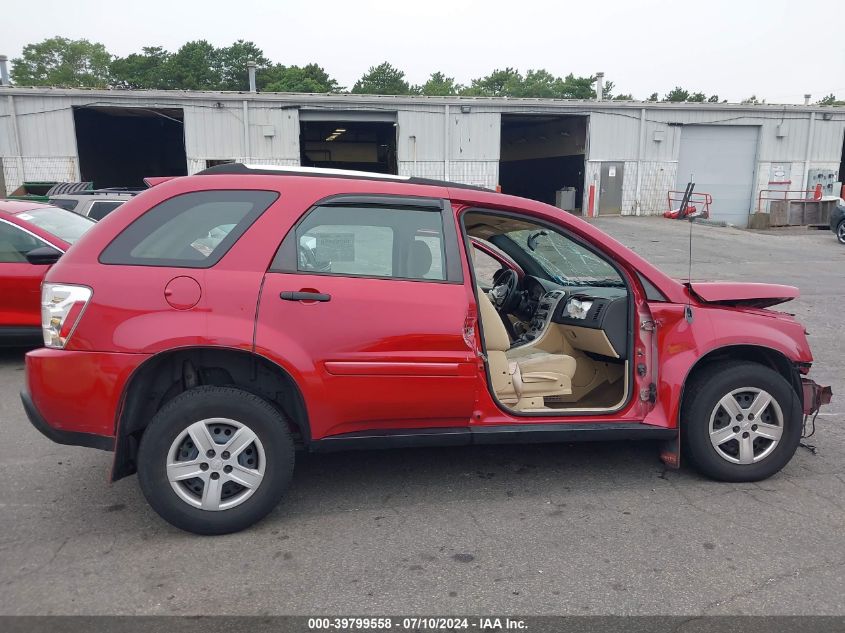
<point>43,256</point>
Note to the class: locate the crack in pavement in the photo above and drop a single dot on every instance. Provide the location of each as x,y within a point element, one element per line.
<point>768,582</point>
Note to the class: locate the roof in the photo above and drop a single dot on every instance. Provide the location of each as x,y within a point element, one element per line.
<point>100,96</point>
<point>112,194</point>
<point>20,206</point>
<point>283,170</point>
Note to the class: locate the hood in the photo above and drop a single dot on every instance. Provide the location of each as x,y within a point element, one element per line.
<point>746,295</point>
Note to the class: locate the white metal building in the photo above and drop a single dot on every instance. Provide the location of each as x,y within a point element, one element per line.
<point>633,153</point>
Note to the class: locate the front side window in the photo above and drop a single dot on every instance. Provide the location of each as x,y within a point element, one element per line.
<point>372,242</point>
<point>15,244</point>
<point>193,230</point>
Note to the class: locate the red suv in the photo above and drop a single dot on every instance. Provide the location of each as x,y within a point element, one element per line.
<point>222,320</point>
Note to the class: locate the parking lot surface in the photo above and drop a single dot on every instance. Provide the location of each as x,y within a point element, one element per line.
<point>550,529</point>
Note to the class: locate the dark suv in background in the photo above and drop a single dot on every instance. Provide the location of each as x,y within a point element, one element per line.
<point>837,221</point>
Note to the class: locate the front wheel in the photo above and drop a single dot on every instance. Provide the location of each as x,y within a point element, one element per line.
<point>740,421</point>
<point>840,232</point>
<point>215,460</point>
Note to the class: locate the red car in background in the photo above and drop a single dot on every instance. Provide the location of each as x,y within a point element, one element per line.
<point>32,237</point>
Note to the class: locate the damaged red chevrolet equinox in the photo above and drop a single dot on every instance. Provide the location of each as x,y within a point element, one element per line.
<point>217,322</point>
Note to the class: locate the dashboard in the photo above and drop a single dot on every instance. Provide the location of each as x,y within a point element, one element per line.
<point>594,318</point>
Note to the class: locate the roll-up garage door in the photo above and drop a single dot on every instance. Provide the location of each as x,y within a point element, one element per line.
<point>722,160</point>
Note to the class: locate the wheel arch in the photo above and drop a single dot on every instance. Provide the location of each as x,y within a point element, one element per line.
<point>167,374</point>
<point>765,356</point>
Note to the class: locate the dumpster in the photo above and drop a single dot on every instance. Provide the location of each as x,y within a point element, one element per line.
<point>565,198</point>
<point>34,191</point>
<point>41,191</point>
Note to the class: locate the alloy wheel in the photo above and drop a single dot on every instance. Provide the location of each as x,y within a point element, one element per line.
<point>746,425</point>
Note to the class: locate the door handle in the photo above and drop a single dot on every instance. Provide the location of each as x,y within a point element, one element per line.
<point>290,295</point>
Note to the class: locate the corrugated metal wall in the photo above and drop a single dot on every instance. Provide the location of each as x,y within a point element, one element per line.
<point>215,129</point>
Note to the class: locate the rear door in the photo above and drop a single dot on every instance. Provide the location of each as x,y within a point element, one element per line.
<point>20,281</point>
<point>366,299</point>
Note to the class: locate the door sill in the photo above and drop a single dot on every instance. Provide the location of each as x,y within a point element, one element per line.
<point>506,434</point>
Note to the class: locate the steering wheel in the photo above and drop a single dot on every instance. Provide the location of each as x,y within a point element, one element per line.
<point>505,294</point>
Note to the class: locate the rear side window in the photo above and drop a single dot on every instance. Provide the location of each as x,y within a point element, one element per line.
<point>102,208</point>
<point>67,204</point>
<point>194,230</point>
<point>372,242</point>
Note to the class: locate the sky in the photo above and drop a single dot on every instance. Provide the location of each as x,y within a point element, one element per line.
<point>774,49</point>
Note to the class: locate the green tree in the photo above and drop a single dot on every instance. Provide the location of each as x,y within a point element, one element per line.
<point>752,100</point>
<point>572,87</point>
<point>59,61</point>
<point>438,85</point>
<point>627,97</point>
<point>830,100</point>
<point>713,99</point>
<point>539,84</point>
<point>652,97</point>
<point>233,69</point>
<point>195,66</point>
<point>310,78</point>
<point>383,79</point>
<point>499,83</point>
<point>139,71</point>
<point>677,95</point>
<point>697,97</point>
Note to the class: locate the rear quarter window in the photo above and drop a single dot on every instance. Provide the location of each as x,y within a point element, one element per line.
<point>101,208</point>
<point>65,203</point>
<point>193,230</point>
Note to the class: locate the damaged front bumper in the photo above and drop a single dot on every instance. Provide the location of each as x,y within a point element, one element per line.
<point>815,396</point>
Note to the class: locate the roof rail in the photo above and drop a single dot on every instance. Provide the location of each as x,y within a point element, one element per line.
<point>117,190</point>
<point>294,170</point>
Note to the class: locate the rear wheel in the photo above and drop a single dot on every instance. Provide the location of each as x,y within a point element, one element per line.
<point>215,460</point>
<point>741,421</point>
<point>840,232</point>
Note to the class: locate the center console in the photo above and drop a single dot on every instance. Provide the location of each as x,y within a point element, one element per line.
<point>546,309</point>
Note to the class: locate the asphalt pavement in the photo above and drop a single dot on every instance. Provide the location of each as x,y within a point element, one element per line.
<point>554,529</point>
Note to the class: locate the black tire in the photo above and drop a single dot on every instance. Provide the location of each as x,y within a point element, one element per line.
<point>202,403</point>
<point>701,398</point>
<point>840,232</point>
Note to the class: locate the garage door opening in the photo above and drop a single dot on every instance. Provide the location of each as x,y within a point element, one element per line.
<point>361,145</point>
<point>542,158</point>
<point>119,147</point>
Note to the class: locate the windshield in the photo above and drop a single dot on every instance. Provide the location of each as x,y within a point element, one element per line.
<point>564,260</point>
<point>65,225</point>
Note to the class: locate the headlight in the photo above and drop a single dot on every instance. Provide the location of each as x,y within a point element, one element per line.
<point>61,307</point>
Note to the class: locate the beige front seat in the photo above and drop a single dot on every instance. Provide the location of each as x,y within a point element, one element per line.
<point>522,382</point>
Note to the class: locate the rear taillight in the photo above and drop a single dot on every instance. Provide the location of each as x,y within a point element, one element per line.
<point>61,307</point>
